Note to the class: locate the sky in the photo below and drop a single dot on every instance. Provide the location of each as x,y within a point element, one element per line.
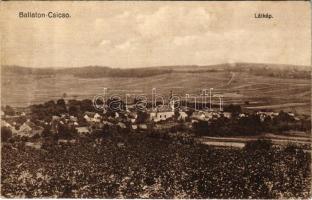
<point>142,34</point>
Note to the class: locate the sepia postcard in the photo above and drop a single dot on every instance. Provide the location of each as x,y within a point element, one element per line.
<point>156,99</point>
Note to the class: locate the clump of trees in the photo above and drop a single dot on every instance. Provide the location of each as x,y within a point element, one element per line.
<point>222,126</point>
<point>74,107</point>
<point>249,125</point>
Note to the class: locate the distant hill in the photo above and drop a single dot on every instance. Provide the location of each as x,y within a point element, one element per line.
<point>272,70</point>
<point>86,72</point>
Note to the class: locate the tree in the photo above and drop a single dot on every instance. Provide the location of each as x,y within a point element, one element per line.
<point>6,134</point>
<point>86,105</point>
<point>176,114</point>
<point>61,106</point>
<point>46,131</point>
<point>115,104</point>
<point>65,132</point>
<point>142,117</point>
<point>189,112</point>
<point>284,117</point>
<point>8,110</point>
<point>234,109</point>
<point>73,110</point>
<point>201,128</point>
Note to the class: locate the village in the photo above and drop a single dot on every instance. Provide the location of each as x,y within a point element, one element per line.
<point>63,123</point>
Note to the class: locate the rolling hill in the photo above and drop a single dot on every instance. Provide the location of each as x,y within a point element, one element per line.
<point>251,85</point>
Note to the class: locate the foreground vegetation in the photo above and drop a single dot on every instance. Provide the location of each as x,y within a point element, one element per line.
<point>137,166</point>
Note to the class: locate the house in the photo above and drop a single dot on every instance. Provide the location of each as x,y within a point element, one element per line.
<point>56,118</point>
<point>24,130</point>
<point>134,126</point>
<point>63,141</point>
<point>97,117</point>
<point>87,118</point>
<point>73,119</point>
<point>263,115</point>
<point>29,129</point>
<point>182,116</point>
<point>158,116</point>
<point>107,123</point>
<point>199,116</point>
<point>142,126</point>
<point>116,115</point>
<point>121,125</point>
<point>227,115</point>
<point>242,115</point>
<point>208,115</point>
<point>55,124</point>
<point>132,117</point>
<point>83,130</point>
<point>92,117</point>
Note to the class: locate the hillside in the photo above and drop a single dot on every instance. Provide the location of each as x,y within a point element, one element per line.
<point>271,70</point>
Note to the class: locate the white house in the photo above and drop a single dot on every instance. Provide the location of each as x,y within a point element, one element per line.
<point>132,117</point>
<point>92,117</point>
<point>121,125</point>
<point>182,116</point>
<point>73,119</point>
<point>227,115</point>
<point>263,115</point>
<point>161,116</point>
<point>29,129</point>
<point>97,117</point>
<point>199,115</point>
<point>142,126</point>
<point>83,130</point>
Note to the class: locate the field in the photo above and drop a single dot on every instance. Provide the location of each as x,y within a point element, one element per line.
<point>304,140</point>
<point>256,92</point>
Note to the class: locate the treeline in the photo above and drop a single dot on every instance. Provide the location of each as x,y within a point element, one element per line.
<point>250,125</point>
